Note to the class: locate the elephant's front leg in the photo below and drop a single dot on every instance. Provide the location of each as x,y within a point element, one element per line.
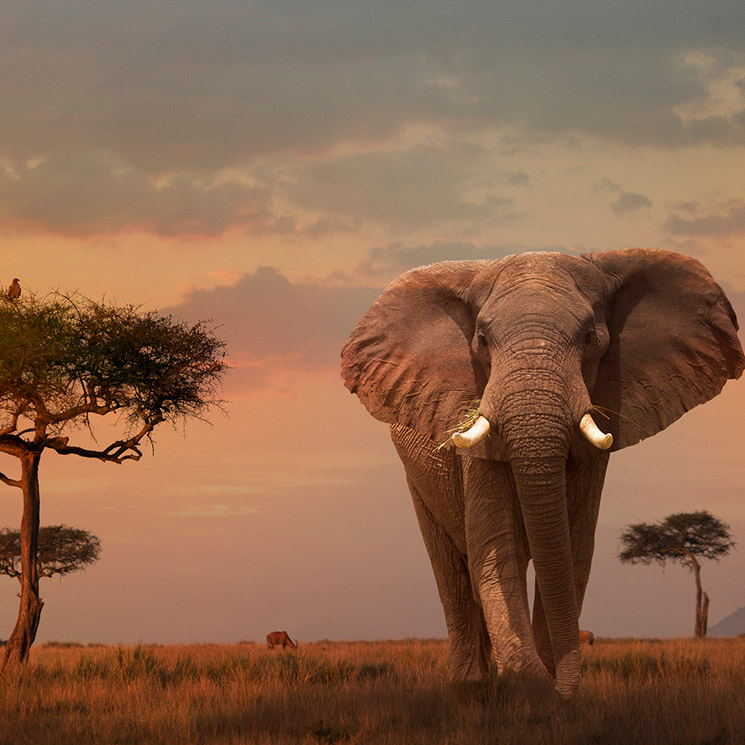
<point>436,485</point>
<point>470,648</point>
<point>498,559</point>
<point>585,479</point>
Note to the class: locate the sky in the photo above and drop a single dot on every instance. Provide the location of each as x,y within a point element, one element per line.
<point>271,166</point>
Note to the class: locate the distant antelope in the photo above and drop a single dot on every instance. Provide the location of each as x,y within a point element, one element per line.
<point>587,636</point>
<point>279,639</point>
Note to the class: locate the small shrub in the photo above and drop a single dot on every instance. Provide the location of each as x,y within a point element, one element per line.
<point>185,669</point>
<point>138,662</point>
<point>372,671</point>
<point>305,668</point>
<point>89,667</point>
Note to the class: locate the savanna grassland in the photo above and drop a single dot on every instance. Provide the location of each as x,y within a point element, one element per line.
<point>682,692</point>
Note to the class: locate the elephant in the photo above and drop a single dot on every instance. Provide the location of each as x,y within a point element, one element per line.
<point>586,637</point>
<point>279,639</point>
<point>491,375</point>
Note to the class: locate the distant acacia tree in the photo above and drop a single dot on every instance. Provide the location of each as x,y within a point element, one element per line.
<point>60,551</point>
<point>681,538</point>
<point>67,362</point>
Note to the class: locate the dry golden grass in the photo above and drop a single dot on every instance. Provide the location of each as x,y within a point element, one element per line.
<point>632,692</point>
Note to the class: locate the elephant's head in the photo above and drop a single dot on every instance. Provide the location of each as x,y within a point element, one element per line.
<point>535,342</point>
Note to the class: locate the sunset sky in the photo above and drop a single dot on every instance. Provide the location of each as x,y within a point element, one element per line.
<point>272,166</point>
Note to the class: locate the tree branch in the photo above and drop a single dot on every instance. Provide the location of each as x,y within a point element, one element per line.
<point>75,411</point>
<point>10,482</point>
<point>13,423</point>
<point>13,445</point>
<point>59,445</point>
<point>116,452</point>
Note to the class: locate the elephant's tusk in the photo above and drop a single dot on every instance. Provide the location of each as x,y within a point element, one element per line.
<point>474,435</point>
<point>593,434</point>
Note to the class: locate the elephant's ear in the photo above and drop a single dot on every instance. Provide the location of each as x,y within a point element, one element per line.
<point>409,359</point>
<point>673,341</point>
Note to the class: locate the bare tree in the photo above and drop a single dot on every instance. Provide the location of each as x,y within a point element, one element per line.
<point>67,362</point>
<point>681,538</point>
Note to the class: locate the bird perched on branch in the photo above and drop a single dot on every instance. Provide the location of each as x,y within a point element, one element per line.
<point>14,291</point>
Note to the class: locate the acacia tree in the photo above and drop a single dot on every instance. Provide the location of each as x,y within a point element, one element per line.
<point>60,550</point>
<point>681,538</point>
<point>66,363</point>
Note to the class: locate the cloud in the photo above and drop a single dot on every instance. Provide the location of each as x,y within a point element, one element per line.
<point>724,224</point>
<point>405,188</point>
<point>382,264</point>
<point>628,201</point>
<point>217,85</point>
<point>88,193</point>
<point>324,226</point>
<point>135,115</point>
<point>518,178</point>
<point>607,185</point>
<point>276,328</point>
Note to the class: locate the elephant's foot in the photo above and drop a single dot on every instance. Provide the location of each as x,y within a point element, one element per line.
<point>469,670</point>
<point>530,687</point>
<point>469,657</point>
<point>567,674</point>
<point>521,656</point>
<point>532,674</point>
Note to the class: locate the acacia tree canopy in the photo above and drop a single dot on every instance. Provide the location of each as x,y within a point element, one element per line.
<point>61,550</point>
<point>676,538</point>
<point>66,359</point>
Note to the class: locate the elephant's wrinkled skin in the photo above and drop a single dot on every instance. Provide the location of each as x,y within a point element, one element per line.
<point>537,341</point>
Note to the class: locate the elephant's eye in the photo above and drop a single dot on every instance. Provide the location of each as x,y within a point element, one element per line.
<point>481,342</point>
<point>590,337</point>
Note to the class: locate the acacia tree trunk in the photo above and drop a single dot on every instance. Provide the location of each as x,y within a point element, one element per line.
<point>702,601</point>
<point>705,615</point>
<point>29,613</point>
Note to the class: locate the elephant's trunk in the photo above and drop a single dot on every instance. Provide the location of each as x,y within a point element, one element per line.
<point>541,489</point>
<point>536,423</point>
